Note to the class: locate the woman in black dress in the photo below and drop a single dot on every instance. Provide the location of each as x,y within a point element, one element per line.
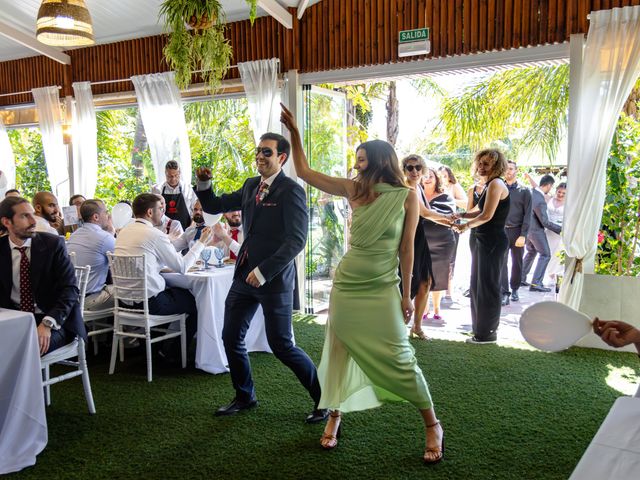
<point>413,167</point>
<point>441,238</point>
<point>488,243</point>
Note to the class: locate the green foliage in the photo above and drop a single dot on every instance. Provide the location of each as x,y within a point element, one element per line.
<point>206,50</point>
<point>221,138</point>
<point>527,105</point>
<point>617,253</point>
<point>31,170</point>
<point>253,6</point>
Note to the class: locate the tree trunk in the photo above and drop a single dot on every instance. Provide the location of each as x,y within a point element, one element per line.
<point>140,144</point>
<point>631,104</point>
<point>392,115</point>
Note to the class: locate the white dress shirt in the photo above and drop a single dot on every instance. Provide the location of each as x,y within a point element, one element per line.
<point>185,240</point>
<point>234,246</point>
<point>43,226</point>
<point>16,256</point>
<point>187,192</point>
<point>171,227</point>
<point>141,238</point>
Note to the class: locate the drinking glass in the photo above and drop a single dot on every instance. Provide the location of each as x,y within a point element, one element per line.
<point>206,255</point>
<point>219,254</point>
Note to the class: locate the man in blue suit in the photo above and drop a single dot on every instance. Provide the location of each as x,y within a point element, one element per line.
<point>37,276</point>
<point>274,213</point>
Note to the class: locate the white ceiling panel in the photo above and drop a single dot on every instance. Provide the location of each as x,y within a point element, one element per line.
<point>113,20</point>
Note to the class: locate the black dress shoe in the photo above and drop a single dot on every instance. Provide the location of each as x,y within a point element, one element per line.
<point>467,293</point>
<point>539,288</point>
<point>514,296</point>
<point>505,299</point>
<point>524,283</point>
<point>317,416</point>
<point>235,406</point>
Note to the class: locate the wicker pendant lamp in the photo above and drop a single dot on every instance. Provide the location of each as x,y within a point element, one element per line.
<point>64,23</point>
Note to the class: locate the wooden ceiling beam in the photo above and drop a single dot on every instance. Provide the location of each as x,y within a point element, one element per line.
<point>277,11</point>
<point>28,41</point>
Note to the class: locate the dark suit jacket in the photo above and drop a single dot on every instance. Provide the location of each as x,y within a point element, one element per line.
<point>275,230</point>
<point>540,220</point>
<point>519,208</point>
<point>53,281</point>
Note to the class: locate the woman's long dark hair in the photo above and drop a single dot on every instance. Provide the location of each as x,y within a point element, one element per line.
<point>382,167</point>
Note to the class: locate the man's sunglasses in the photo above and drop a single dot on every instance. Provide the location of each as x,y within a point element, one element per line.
<point>266,151</point>
<point>409,168</point>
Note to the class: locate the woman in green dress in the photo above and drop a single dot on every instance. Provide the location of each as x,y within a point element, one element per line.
<point>367,359</point>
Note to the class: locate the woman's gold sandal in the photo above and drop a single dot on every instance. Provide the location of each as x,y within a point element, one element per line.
<point>331,440</point>
<point>438,451</point>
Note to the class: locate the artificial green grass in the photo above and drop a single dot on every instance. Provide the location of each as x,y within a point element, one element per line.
<point>507,414</point>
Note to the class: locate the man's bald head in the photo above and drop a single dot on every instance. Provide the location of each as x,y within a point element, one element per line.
<point>46,206</point>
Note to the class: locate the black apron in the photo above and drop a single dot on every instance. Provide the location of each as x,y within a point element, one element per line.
<point>177,207</point>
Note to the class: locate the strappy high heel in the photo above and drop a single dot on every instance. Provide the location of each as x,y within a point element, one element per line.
<point>439,451</point>
<point>331,440</point>
<point>418,335</point>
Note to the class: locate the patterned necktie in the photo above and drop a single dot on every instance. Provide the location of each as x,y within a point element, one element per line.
<point>262,192</point>
<point>198,233</point>
<point>234,236</point>
<point>26,294</point>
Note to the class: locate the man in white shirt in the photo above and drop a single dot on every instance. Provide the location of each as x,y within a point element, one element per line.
<point>178,195</point>
<point>167,225</point>
<point>47,212</point>
<point>232,236</point>
<point>90,244</point>
<point>140,237</point>
<point>192,233</point>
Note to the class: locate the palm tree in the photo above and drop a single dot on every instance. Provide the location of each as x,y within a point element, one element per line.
<point>529,104</point>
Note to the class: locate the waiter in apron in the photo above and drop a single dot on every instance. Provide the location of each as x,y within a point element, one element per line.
<point>179,197</point>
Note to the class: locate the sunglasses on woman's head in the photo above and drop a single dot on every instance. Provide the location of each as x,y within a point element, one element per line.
<point>409,168</point>
<point>266,151</point>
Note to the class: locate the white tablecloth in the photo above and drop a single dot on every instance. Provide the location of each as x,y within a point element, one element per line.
<point>614,453</point>
<point>210,288</point>
<point>23,422</point>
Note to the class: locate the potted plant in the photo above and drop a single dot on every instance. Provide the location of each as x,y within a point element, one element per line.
<point>196,40</point>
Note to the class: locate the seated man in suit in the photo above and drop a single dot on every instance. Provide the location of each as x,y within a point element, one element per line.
<point>141,237</point>
<point>537,243</point>
<point>90,243</point>
<point>37,276</point>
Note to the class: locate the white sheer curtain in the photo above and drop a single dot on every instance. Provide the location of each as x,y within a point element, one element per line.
<point>164,124</point>
<point>7,162</point>
<point>260,81</point>
<point>609,69</point>
<point>55,153</point>
<point>85,141</point>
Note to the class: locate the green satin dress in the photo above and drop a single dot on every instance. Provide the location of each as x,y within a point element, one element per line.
<point>367,358</point>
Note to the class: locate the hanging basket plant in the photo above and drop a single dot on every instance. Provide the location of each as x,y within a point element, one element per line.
<point>196,40</point>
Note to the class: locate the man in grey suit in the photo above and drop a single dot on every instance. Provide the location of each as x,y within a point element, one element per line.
<point>537,243</point>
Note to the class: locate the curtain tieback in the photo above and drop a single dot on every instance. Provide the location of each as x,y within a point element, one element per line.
<point>577,269</point>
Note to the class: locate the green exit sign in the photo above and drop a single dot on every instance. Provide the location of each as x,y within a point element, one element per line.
<point>417,35</point>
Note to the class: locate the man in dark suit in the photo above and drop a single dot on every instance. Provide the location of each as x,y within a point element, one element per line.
<point>517,229</point>
<point>537,243</point>
<point>274,213</point>
<point>37,276</point>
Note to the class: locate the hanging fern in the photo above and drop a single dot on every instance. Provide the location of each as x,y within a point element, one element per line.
<point>204,49</point>
<point>253,5</point>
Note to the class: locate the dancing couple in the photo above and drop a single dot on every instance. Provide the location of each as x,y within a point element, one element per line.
<point>367,359</point>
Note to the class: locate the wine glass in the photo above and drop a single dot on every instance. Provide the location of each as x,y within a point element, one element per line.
<point>205,255</point>
<point>219,254</point>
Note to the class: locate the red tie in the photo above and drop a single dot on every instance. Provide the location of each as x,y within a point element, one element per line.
<point>26,294</point>
<point>234,236</point>
<point>261,192</point>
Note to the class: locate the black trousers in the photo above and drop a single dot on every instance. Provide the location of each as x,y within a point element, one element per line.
<point>240,306</point>
<point>487,257</point>
<point>176,300</point>
<point>517,254</point>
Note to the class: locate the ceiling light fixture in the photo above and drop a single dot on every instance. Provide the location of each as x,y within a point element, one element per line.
<point>64,23</point>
